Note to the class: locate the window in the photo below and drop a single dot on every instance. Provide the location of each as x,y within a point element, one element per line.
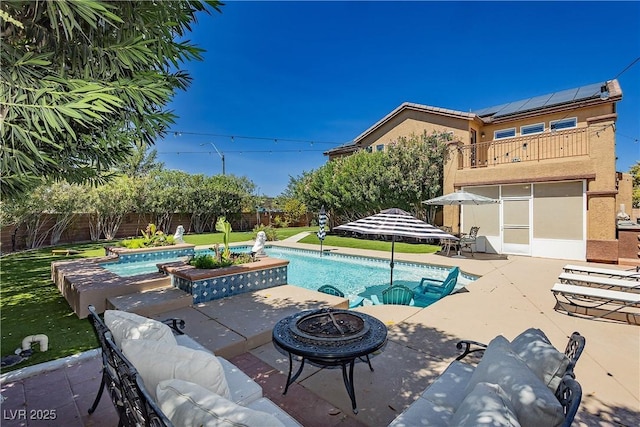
<point>530,129</point>
<point>369,149</point>
<point>380,147</point>
<point>504,133</point>
<point>563,124</point>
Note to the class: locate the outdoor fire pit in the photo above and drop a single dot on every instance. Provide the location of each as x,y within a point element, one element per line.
<point>330,327</point>
<point>330,337</point>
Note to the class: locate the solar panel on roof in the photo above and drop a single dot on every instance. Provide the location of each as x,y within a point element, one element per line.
<point>489,111</point>
<point>589,91</point>
<point>513,107</point>
<point>537,102</point>
<point>562,97</point>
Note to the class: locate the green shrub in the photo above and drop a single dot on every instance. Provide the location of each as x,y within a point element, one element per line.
<point>268,230</point>
<point>279,222</point>
<point>151,237</point>
<point>211,261</point>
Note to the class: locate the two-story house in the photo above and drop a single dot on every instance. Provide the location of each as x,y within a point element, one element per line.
<point>549,160</point>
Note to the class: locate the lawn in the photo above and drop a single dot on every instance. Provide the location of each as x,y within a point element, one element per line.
<point>31,304</point>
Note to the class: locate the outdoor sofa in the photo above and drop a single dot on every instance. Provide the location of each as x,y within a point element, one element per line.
<point>158,376</point>
<point>525,382</point>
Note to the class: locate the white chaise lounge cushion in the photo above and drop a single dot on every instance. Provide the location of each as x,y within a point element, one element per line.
<point>125,326</point>
<point>534,403</point>
<point>535,349</point>
<point>486,405</point>
<point>189,404</point>
<point>156,361</point>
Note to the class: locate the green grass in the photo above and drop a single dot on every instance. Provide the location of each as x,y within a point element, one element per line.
<point>351,242</point>
<point>31,304</point>
<point>240,236</point>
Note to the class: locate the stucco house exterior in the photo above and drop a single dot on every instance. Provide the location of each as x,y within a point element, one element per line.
<point>550,160</point>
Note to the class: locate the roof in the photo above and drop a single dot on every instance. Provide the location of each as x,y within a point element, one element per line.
<point>606,91</point>
<point>350,146</point>
<point>595,91</point>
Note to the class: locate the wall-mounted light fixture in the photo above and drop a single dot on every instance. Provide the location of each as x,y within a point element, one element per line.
<point>482,134</point>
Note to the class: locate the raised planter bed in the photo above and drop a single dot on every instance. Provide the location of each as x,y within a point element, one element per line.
<point>211,284</point>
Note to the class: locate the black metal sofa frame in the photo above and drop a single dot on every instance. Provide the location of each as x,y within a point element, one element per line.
<point>569,392</point>
<point>131,399</point>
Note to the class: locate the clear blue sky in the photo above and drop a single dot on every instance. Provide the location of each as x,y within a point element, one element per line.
<point>324,72</point>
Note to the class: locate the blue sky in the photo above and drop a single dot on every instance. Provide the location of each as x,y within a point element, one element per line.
<point>290,80</point>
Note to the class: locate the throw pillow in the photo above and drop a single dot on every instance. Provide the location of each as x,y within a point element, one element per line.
<point>534,403</point>
<point>124,325</point>
<point>541,356</point>
<point>156,361</point>
<point>486,405</point>
<point>188,404</point>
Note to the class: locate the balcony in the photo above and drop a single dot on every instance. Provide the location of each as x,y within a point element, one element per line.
<point>533,148</point>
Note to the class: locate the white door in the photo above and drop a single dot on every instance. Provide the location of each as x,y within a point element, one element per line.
<point>516,226</point>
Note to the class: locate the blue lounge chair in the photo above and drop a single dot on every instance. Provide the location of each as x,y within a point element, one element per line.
<point>397,294</point>
<point>332,290</point>
<point>434,289</point>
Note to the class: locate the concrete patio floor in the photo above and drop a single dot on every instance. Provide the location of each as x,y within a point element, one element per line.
<point>513,294</point>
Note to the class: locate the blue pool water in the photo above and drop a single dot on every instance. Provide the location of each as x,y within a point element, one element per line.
<point>353,275</point>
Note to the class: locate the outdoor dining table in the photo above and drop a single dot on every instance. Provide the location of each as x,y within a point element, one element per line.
<point>327,351</point>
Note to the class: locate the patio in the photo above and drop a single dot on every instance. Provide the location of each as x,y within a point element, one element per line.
<point>512,295</point>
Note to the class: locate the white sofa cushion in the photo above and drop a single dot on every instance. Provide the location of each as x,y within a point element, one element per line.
<point>125,326</point>
<point>156,361</point>
<point>241,387</point>
<point>449,389</point>
<point>534,403</point>
<point>423,412</point>
<point>541,356</point>
<point>486,405</point>
<point>189,404</point>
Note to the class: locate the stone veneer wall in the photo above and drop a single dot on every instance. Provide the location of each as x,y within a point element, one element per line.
<point>209,289</point>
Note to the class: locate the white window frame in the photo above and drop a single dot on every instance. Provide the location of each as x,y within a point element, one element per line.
<point>523,129</point>
<point>555,122</point>
<point>495,133</point>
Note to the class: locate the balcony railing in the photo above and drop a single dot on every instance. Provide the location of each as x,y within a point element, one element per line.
<point>544,146</point>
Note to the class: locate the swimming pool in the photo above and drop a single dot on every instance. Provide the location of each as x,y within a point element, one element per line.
<point>353,275</point>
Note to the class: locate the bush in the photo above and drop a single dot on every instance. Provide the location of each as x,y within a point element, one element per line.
<point>212,262</point>
<point>151,237</point>
<point>279,222</point>
<point>268,230</point>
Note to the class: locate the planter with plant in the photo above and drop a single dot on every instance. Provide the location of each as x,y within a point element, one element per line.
<point>151,238</point>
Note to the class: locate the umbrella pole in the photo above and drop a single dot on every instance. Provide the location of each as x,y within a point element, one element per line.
<point>393,241</point>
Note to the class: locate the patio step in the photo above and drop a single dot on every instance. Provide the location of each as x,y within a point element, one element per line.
<point>150,302</point>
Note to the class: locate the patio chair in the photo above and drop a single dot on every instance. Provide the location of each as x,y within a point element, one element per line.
<point>332,290</point>
<point>434,288</point>
<point>597,303</point>
<point>469,240</point>
<point>396,295</point>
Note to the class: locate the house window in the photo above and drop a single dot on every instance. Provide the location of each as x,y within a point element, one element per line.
<point>563,124</point>
<point>380,147</point>
<point>531,129</point>
<point>369,149</point>
<point>504,133</point>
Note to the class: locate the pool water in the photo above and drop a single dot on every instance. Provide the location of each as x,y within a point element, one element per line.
<point>353,275</point>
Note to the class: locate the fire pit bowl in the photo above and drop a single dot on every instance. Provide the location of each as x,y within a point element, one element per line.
<point>330,327</point>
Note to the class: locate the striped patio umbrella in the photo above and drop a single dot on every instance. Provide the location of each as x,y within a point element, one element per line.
<point>322,221</point>
<point>395,222</point>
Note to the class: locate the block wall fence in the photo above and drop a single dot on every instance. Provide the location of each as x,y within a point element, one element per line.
<point>13,239</point>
